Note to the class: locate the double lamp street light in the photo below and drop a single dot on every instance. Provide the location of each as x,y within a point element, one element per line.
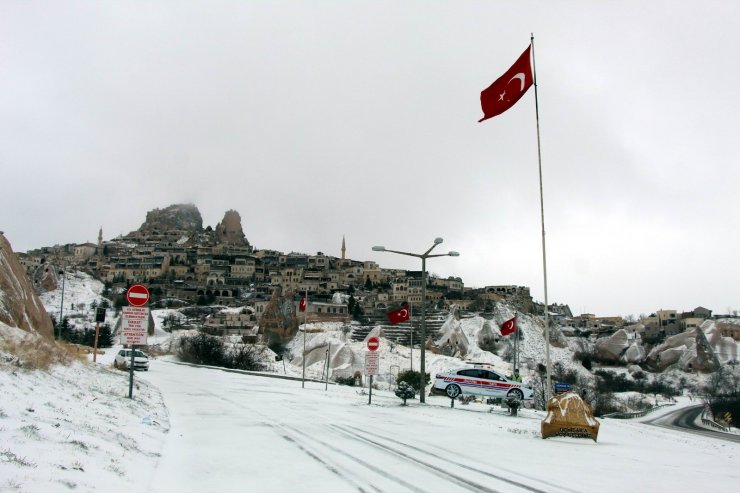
<point>423,256</point>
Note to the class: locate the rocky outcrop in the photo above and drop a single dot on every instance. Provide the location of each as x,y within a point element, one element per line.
<point>689,350</point>
<point>452,340</point>
<point>177,217</point>
<point>620,347</point>
<point>726,348</point>
<point>229,230</point>
<point>19,305</point>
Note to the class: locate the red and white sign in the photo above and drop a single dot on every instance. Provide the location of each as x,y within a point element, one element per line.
<point>137,295</point>
<point>371,363</point>
<point>373,343</point>
<point>134,325</point>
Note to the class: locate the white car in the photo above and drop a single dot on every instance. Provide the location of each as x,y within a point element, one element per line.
<point>479,381</point>
<point>123,358</point>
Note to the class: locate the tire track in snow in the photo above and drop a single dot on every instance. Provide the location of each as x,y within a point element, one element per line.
<point>321,461</point>
<point>446,459</point>
<point>364,463</point>
<point>448,476</point>
<point>291,436</point>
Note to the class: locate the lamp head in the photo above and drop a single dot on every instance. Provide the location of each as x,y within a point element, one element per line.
<point>454,254</point>
<point>437,241</point>
<point>378,248</point>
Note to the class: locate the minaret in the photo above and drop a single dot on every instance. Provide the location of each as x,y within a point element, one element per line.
<point>344,248</point>
<point>100,236</point>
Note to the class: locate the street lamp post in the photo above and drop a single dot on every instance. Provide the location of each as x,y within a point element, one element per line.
<point>423,256</point>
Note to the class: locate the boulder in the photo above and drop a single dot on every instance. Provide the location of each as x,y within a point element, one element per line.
<point>689,350</point>
<point>568,415</point>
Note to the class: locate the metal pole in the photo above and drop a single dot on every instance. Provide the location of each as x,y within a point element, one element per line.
<point>411,323</point>
<point>95,346</point>
<point>542,214</point>
<point>328,355</point>
<point>422,380</point>
<point>61,305</point>
<point>305,310</point>
<point>516,342</point>
<point>370,398</point>
<point>131,374</point>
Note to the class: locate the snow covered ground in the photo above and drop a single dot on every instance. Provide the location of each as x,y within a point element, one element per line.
<point>191,429</point>
<point>201,430</point>
<point>72,428</point>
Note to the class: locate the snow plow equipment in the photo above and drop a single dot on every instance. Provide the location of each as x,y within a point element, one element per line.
<point>569,416</point>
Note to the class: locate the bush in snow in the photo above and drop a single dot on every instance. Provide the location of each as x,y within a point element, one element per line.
<point>405,391</point>
<point>345,381</point>
<point>204,349</point>
<point>246,357</point>
<point>411,377</point>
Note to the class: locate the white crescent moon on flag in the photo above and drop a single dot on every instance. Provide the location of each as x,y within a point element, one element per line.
<point>507,325</point>
<point>519,76</point>
<point>403,313</point>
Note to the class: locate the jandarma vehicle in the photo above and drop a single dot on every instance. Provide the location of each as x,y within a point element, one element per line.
<point>123,358</point>
<point>479,381</point>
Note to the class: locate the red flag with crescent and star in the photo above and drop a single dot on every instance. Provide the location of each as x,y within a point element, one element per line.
<point>507,89</point>
<point>400,315</point>
<point>302,304</point>
<point>508,327</point>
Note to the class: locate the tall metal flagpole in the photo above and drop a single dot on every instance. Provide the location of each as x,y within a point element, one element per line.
<point>411,324</point>
<point>548,389</point>
<point>305,314</point>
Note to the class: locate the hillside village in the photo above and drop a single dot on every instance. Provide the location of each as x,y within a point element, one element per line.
<point>184,263</point>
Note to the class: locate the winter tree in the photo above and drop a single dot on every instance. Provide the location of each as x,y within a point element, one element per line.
<point>405,391</point>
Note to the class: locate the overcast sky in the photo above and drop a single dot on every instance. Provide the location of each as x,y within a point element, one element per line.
<point>327,118</point>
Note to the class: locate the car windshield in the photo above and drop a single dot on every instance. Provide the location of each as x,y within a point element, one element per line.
<point>137,354</point>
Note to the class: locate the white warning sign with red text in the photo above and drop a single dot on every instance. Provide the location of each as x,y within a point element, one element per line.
<point>371,363</point>
<point>134,325</point>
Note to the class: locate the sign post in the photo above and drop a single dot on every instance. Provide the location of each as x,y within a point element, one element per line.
<point>134,325</point>
<point>99,317</point>
<point>371,363</point>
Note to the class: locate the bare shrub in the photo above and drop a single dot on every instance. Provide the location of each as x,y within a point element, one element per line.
<point>247,357</point>
<point>8,456</point>
<point>205,349</point>
<point>39,354</point>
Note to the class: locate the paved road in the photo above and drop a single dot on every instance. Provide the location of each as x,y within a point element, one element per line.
<point>684,420</point>
<point>228,431</point>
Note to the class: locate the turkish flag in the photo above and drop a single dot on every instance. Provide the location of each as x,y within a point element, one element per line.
<point>302,304</point>
<point>400,315</point>
<point>509,327</point>
<point>507,89</point>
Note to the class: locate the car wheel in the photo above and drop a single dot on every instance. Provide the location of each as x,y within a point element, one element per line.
<point>115,364</point>
<point>516,394</point>
<point>453,391</point>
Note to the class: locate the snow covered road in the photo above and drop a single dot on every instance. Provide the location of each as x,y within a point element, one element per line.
<point>233,432</point>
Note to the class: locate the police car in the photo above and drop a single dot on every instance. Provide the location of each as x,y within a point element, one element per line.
<point>479,381</point>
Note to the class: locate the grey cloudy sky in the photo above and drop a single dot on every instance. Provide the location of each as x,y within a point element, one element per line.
<point>321,119</point>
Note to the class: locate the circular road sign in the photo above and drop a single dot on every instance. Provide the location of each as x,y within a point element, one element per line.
<point>137,295</point>
<point>373,343</point>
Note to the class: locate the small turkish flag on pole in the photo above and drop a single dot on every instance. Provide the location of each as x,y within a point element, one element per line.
<point>509,327</point>
<point>507,89</point>
<point>400,315</point>
<point>302,304</point>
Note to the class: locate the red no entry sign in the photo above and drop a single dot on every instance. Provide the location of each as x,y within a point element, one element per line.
<point>137,295</point>
<point>373,343</point>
